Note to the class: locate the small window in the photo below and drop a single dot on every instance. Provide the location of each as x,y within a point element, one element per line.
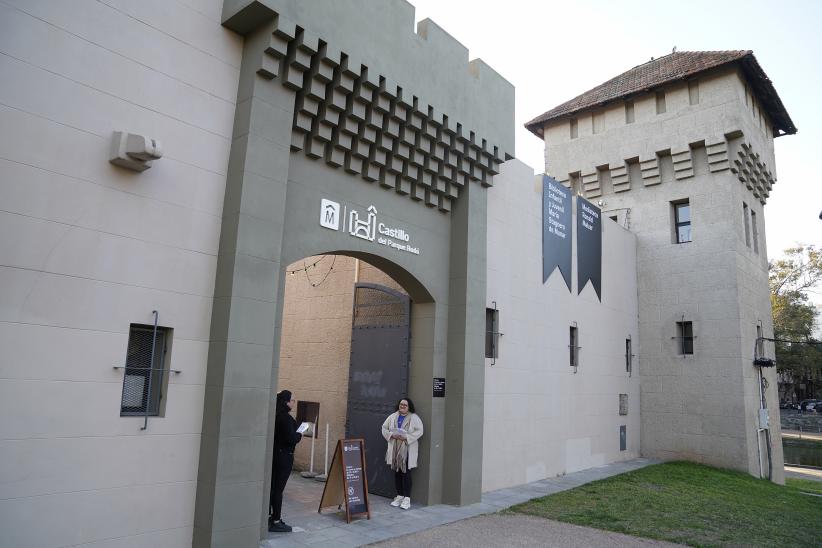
<point>623,404</point>
<point>629,112</point>
<point>660,102</point>
<point>754,232</point>
<point>629,356</point>
<point>145,378</point>
<point>597,119</point>
<point>491,333</point>
<point>574,128</point>
<point>693,92</point>
<point>573,347</point>
<point>685,336</point>
<point>682,222</point>
<point>576,185</point>
<point>747,224</point>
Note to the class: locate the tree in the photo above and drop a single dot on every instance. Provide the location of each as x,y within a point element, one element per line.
<point>791,279</point>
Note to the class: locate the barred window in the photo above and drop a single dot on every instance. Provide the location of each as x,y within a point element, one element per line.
<point>573,346</point>
<point>145,379</point>
<point>492,333</point>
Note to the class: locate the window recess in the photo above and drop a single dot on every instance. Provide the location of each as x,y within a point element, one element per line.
<point>147,362</point>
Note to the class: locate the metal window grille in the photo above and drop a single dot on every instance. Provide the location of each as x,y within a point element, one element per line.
<point>492,333</point>
<point>374,307</point>
<point>573,347</point>
<point>685,335</point>
<point>143,379</point>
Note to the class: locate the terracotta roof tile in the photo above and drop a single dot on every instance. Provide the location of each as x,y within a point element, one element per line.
<point>670,68</point>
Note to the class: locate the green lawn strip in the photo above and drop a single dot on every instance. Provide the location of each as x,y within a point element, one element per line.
<point>807,486</point>
<point>691,504</point>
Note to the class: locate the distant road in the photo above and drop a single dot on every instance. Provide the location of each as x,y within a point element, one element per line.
<point>796,434</point>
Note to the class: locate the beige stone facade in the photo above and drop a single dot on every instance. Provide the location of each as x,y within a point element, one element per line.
<point>709,144</point>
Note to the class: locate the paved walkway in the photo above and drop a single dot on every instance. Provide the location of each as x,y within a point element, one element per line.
<point>329,529</point>
<point>515,530</point>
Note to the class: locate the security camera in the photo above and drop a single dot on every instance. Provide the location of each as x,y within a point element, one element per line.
<point>133,151</point>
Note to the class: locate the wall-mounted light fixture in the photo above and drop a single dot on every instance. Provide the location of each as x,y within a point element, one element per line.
<point>134,152</point>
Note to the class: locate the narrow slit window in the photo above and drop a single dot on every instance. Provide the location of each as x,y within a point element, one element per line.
<point>491,333</point>
<point>685,336</point>
<point>693,92</point>
<point>682,222</point>
<point>630,116</point>
<point>660,102</point>
<point>747,224</point>
<point>573,346</point>
<point>754,232</point>
<point>574,128</point>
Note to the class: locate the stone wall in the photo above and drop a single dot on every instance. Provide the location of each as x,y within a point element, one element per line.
<point>89,248</point>
<point>542,417</point>
<point>717,154</point>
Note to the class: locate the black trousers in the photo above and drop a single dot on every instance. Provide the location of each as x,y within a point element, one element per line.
<point>280,472</point>
<point>402,481</point>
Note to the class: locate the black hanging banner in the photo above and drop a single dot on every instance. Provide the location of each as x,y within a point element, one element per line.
<point>556,229</point>
<point>589,246</point>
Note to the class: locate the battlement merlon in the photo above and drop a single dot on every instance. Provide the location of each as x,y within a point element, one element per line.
<point>433,66</point>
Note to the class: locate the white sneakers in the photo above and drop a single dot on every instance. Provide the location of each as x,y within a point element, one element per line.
<point>402,502</point>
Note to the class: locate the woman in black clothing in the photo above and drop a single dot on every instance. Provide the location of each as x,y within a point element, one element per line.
<point>286,438</point>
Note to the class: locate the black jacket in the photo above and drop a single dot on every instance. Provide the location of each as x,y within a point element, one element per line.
<point>285,432</point>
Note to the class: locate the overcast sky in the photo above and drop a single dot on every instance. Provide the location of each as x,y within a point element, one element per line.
<point>553,51</point>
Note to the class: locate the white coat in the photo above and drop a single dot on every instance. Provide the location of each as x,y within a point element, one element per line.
<point>411,424</point>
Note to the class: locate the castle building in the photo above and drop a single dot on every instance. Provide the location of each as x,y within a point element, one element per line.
<point>679,150</point>
<point>209,201</point>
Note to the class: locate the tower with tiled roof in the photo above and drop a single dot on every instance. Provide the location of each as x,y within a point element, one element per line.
<point>679,150</point>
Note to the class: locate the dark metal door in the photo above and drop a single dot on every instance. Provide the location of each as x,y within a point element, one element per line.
<point>378,373</point>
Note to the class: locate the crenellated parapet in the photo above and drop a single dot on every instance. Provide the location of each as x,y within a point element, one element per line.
<point>353,118</point>
<point>728,153</point>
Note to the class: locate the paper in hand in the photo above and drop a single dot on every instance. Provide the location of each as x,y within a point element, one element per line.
<point>304,427</point>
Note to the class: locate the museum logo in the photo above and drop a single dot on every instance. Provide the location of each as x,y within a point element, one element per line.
<point>364,225</point>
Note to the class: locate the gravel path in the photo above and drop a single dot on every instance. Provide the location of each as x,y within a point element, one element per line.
<point>495,530</point>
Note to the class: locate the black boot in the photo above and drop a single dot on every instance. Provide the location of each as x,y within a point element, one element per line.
<point>278,526</point>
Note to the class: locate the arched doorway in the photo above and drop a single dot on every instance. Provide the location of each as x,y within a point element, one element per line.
<point>345,348</point>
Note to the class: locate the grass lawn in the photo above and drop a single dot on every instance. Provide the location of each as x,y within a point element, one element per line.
<point>692,504</point>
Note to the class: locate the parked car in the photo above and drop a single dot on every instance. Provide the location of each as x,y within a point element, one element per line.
<point>810,406</point>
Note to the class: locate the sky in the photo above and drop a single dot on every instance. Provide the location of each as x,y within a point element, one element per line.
<point>553,51</point>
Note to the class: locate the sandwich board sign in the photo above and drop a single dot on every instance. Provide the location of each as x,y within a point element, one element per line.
<point>347,482</point>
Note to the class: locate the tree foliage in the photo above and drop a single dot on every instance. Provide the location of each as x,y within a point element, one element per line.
<point>791,279</point>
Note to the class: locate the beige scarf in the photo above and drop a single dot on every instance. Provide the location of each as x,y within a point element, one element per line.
<point>399,457</point>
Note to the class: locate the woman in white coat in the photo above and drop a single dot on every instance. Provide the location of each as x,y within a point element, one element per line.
<point>402,429</point>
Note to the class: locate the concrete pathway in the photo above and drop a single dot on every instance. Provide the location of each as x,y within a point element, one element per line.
<point>329,529</point>
<point>515,530</point>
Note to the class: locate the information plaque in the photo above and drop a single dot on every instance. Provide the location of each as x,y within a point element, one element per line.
<point>439,387</point>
